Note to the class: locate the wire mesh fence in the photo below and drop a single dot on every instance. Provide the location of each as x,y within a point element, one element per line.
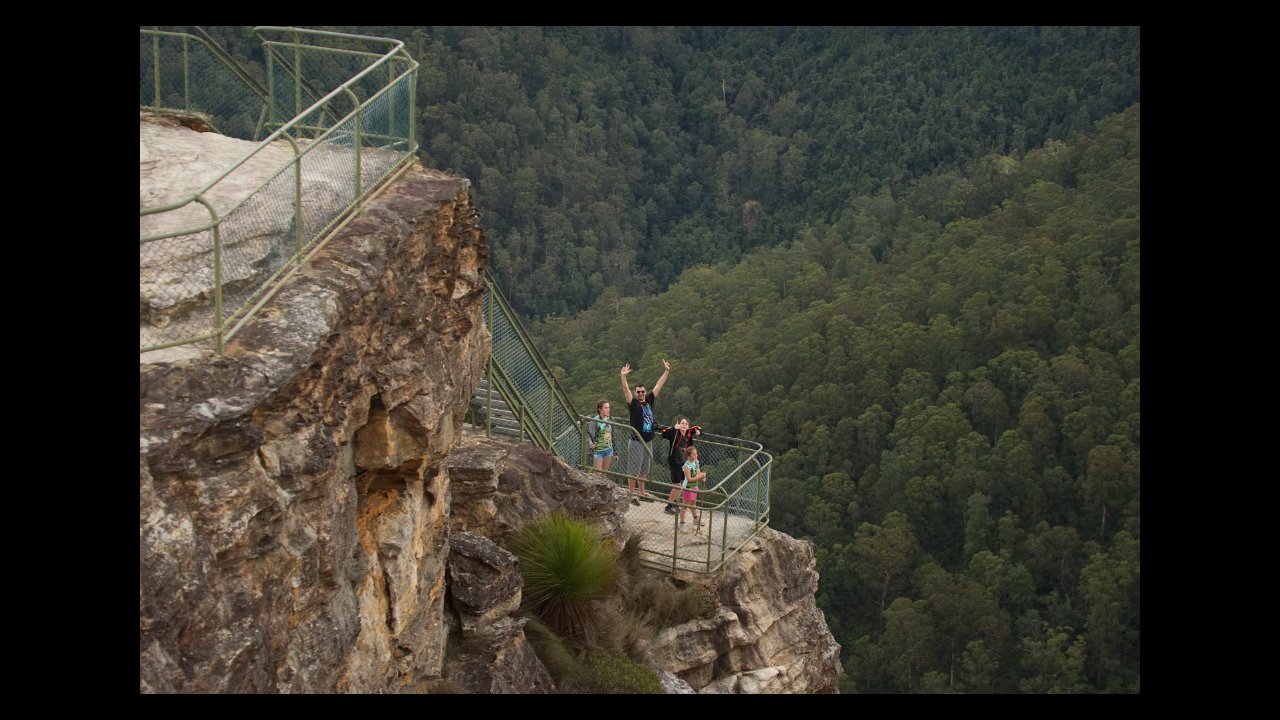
<point>182,73</point>
<point>732,507</point>
<point>699,535</point>
<point>209,256</point>
<point>554,418</point>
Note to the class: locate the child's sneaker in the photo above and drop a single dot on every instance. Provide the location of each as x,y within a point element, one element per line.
<point>669,510</point>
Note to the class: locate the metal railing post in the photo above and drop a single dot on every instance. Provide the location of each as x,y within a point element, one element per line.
<point>724,533</point>
<point>297,202</point>
<point>186,75</point>
<point>391,113</point>
<point>488,300</point>
<point>359,125</point>
<point>757,483</point>
<point>709,526</point>
<point>217,284</point>
<point>413,111</point>
<point>271,91</point>
<point>155,67</point>
<point>297,76</point>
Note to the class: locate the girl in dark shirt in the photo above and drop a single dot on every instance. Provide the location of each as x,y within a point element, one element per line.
<point>681,436</point>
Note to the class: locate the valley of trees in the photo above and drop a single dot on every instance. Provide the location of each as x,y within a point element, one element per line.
<point>907,261</point>
<point>956,425</point>
<point>616,157</point>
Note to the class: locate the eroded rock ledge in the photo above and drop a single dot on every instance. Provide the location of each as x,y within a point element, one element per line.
<point>313,518</point>
<point>293,506</point>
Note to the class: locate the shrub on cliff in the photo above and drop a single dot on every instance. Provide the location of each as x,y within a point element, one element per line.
<point>566,567</point>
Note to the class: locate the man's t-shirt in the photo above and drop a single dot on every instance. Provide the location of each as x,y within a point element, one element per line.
<point>642,416</point>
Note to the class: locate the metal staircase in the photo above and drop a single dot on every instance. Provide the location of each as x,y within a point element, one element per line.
<point>492,412</point>
<point>520,398</point>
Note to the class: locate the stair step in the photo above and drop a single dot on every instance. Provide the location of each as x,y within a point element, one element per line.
<point>498,403</point>
<point>502,419</point>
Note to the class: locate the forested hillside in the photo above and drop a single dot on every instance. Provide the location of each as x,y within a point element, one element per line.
<point>907,261</point>
<point>616,157</point>
<point>957,425</point>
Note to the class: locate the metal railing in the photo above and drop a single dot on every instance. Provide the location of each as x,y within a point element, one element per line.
<point>733,507</point>
<point>185,74</point>
<point>340,117</point>
<point>519,373</point>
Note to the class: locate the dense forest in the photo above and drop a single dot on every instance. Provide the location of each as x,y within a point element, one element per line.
<point>907,261</point>
<point>616,157</point>
<point>956,425</point>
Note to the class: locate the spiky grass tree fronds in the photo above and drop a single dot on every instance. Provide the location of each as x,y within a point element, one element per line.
<point>566,566</point>
<point>550,649</point>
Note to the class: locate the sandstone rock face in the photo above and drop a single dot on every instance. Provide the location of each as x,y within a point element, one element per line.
<point>488,650</point>
<point>313,519</point>
<point>498,485</point>
<point>767,636</point>
<point>293,502</point>
<point>672,685</point>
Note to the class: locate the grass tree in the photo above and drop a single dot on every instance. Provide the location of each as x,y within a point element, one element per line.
<point>567,567</point>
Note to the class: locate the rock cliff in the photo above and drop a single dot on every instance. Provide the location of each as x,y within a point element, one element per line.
<point>313,518</point>
<point>293,501</point>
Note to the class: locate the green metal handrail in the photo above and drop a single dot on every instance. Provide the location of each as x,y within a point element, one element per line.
<point>516,401</point>
<point>491,285</point>
<point>736,506</point>
<point>327,135</point>
<point>207,108</point>
<point>743,495</point>
<point>558,403</point>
